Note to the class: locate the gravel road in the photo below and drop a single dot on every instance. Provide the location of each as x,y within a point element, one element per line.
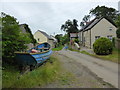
<point>76,74</point>
<point>104,69</point>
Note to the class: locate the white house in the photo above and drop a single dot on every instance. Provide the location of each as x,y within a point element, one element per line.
<point>98,27</point>
<point>42,37</point>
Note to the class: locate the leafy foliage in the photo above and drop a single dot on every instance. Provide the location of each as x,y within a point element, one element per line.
<point>86,19</point>
<point>70,26</point>
<point>117,21</point>
<point>65,39</point>
<point>58,37</point>
<point>118,32</point>
<point>102,11</point>
<point>30,33</point>
<point>103,46</point>
<point>76,40</point>
<point>113,41</point>
<point>12,37</point>
<point>62,39</point>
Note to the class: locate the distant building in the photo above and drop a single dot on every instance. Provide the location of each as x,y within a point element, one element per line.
<point>22,27</point>
<point>42,37</point>
<point>98,27</point>
<point>24,31</point>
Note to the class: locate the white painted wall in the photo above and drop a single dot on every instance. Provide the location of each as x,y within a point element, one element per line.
<point>40,36</point>
<point>102,29</point>
<point>87,38</point>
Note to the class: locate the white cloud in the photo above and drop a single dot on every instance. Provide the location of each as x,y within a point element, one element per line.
<point>59,0</point>
<point>49,16</point>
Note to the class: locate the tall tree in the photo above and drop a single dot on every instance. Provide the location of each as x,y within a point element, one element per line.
<point>118,25</point>
<point>117,21</point>
<point>85,19</point>
<point>103,11</point>
<point>58,37</point>
<point>30,34</point>
<point>70,26</point>
<point>12,38</point>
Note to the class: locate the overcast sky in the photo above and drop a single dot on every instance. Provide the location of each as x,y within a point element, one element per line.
<point>48,16</point>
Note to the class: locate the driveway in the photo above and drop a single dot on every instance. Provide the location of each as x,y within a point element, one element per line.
<point>106,70</point>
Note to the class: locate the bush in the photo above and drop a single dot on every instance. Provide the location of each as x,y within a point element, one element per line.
<point>118,33</point>
<point>113,41</point>
<point>103,46</point>
<point>12,37</point>
<point>76,40</point>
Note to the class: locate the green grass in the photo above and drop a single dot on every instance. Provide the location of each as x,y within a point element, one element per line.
<point>114,57</point>
<point>66,78</point>
<point>38,77</point>
<point>73,50</point>
<point>84,52</point>
<point>58,48</point>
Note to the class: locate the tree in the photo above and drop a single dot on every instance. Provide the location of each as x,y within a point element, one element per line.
<point>117,21</point>
<point>30,34</point>
<point>85,19</point>
<point>118,32</point>
<point>58,37</point>
<point>65,39</point>
<point>12,37</point>
<point>70,26</point>
<point>102,11</point>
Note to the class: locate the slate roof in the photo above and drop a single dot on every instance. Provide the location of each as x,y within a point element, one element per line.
<point>44,33</point>
<point>92,23</point>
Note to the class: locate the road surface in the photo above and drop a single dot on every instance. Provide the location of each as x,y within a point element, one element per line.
<point>106,70</point>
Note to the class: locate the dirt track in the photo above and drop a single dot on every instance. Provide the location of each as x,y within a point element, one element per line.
<point>76,75</point>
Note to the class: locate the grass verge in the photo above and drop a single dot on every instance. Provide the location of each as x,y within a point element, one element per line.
<point>73,50</point>
<point>58,48</point>
<point>114,57</point>
<point>44,74</point>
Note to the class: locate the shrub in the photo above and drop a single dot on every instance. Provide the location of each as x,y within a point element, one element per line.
<point>113,41</point>
<point>76,40</point>
<point>103,46</point>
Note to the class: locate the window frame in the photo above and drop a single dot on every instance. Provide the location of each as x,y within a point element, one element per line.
<point>97,37</point>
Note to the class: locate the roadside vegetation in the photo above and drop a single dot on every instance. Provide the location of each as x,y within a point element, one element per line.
<point>58,48</point>
<point>103,46</point>
<point>13,39</point>
<point>73,50</point>
<point>42,75</point>
<point>114,57</point>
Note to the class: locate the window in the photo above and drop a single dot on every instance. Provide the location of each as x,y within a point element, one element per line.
<point>110,28</point>
<point>97,37</point>
<point>38,39</point>
<point>109,37</point>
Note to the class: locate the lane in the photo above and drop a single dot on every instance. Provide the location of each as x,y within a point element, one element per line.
<point>106,70</point>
